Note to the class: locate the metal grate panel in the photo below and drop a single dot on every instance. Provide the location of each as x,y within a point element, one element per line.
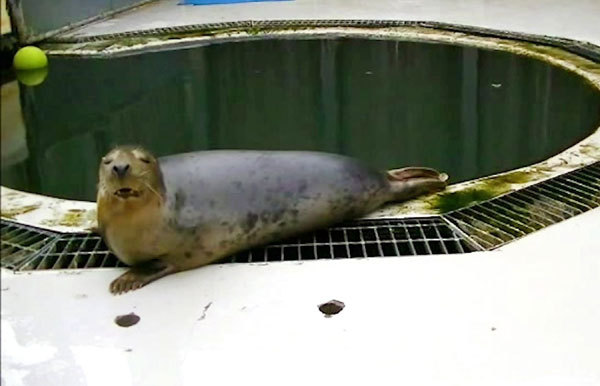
<point>73,251</point>
<point>21,242</point>
<point>359,239</point>
<point>503,219</point>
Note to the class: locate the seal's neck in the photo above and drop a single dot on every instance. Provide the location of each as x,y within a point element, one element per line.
<point>111,207</point>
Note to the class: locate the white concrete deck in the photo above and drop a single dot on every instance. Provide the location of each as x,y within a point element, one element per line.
<point>528,315</point>
<point>558,18</point>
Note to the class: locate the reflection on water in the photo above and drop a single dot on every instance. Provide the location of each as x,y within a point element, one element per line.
<point>466,111</point>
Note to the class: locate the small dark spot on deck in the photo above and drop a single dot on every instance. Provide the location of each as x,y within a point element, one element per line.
<point>127,320</point>
<point>331,307</point>
<point>188,255</point>
<point>206,307</point>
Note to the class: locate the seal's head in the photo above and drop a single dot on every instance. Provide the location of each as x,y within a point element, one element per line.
<point>129,173</point>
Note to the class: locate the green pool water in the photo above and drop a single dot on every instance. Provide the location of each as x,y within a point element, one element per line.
<point>466,111</point>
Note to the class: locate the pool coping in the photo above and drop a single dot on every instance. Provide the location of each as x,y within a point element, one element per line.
<point>71,216</point>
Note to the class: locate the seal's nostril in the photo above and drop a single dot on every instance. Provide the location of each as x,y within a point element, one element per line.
<point>120,170</point>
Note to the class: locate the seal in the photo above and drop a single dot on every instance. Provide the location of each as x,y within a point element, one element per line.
<point>175,213</point>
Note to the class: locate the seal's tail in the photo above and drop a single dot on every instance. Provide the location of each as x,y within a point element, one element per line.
<point>411,182</point>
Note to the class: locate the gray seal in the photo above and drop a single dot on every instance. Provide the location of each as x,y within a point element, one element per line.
<point>175,213</point>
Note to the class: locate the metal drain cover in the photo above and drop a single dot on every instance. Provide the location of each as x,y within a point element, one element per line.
<point>380,238</point>
<point>498,221</point>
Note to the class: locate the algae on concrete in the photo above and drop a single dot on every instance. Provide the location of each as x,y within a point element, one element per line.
<point>447,202</point>
<point>13,212</point>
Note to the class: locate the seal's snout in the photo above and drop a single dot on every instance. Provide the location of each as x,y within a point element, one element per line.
<point>128,172</point>
<point>120,170</point>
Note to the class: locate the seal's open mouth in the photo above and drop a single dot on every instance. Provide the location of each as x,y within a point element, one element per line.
<point>127,192</point>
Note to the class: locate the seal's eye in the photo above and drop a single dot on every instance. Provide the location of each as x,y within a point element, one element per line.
<point>106,161</point>
<point>145,160</point>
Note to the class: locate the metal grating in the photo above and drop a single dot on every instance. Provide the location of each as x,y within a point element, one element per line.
<point>26,248</point>
<point>503,219</point>
<point>359,239</point>
<point>20,243</point>
<point>74,251</point>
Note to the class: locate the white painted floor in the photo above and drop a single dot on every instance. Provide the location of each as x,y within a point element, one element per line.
<point>560,18</point>
<point>523,316</point>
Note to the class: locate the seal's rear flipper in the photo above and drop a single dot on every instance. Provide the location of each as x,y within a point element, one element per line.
<point>415,172</point>
<point>411,182</point>
<point>140,275</point>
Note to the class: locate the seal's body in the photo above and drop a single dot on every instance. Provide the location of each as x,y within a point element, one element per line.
<point>203,206</point>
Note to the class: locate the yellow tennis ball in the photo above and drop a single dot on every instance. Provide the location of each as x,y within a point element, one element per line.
<point>30,58</point>
<point>32,77</point>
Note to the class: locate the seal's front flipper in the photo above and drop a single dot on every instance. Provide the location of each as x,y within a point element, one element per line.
<point>408,183</point>
<point>140,275</point>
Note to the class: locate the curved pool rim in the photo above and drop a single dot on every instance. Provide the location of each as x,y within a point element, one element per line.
<point>70,216</point>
